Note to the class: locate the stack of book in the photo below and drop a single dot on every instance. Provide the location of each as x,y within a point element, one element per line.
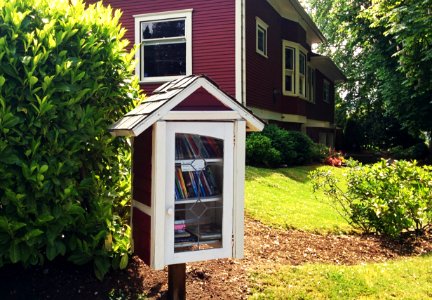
<point>195,184</point>
<point>190,146</point>
<point>192,234</point>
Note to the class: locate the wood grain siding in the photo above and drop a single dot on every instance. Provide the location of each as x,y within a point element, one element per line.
<point>142,167</point>
<point>213,35</point>
<point>141,234</point>
<point>321,110</point>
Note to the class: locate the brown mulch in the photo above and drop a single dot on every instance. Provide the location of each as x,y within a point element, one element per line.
<point>217,279</point>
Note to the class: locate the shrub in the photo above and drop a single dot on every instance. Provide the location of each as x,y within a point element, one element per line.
<point>319,152</point>
<point>259,151</point>
<point>417,151</point>
<point>295,147</point>
<point>64,78</point>
<point>384,198</point>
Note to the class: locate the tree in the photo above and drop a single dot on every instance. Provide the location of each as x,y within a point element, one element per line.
<point>376,57</point>
<point>65,76</point>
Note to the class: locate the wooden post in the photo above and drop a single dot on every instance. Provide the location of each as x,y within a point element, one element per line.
<point>177,282</point>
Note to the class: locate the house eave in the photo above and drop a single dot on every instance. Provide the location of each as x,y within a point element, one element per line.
<point>283,7</point>
<point>327,67</point>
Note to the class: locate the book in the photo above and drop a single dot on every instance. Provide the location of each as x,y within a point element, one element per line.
<point>207,232</point>
<point>181,234</point>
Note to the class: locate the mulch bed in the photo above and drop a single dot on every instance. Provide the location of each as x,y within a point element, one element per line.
<point>217,279</point>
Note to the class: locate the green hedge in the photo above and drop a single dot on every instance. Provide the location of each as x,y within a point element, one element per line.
<point>65,76</point>
<point>274,147</point>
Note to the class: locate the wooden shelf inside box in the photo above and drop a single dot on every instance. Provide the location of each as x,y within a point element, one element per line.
<point>190,244</point>
<point>193,200</point>
<point>207,160</point>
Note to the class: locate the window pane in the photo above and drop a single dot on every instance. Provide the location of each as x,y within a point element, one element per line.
<point>262,40</point>
<point>289,58</point>
<point>302,62</point>
<point>288,83</point>
<point>301,87</point>
<point>198,192</point>
<point>165,60</point>
<point>154,30</point>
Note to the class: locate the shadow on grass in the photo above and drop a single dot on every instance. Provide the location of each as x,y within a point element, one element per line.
<point>298,173</point>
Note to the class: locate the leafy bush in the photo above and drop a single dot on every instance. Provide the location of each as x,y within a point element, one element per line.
<point>417,151</point>
<point>259,151</point>
<point>384,198</point>
<point>295,147</point>
<point>275,146</point>
<point>64,78</point>
<point>319,152</point>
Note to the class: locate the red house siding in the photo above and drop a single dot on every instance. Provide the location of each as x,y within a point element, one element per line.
<point>213,35</point>
<point>321,110</point>
<point>264,75</point>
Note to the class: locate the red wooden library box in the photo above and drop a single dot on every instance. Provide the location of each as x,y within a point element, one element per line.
<point>188,166</point>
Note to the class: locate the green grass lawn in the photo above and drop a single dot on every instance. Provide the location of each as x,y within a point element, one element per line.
<point>401,279</point>
<point>284,198</point>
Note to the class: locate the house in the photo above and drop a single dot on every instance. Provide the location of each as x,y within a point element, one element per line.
<point>257,51</point>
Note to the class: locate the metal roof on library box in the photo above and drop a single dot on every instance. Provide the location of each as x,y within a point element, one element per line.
<point>169,95</point>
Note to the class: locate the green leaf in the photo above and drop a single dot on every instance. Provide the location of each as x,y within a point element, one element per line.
<point>51,251</point>
<point>2,80</point>
<point>124,261</point>
<point>33,80</point>
<point>101,266</point>
<point>43,169</point>
<point>14,252</point>
<point>33,234</point>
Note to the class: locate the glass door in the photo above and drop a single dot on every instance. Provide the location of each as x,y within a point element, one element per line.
<point>199,207</point>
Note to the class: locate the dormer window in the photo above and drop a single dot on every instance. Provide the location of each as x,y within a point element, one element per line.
<point>261,37</point>
<point>165,45</point>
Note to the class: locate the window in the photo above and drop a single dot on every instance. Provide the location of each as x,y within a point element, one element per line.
<point>326,91</point>
<point>165,41</point>
<point>302,74</point>
<point>311,84</point>
<point>261,37</point>
<point>294,70</point>
<point>289,70</point>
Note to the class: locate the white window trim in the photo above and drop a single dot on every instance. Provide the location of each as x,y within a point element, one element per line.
<point>260,24</point>
<point>304,76</point>
<point>298,48</point>
<point>160,16</point>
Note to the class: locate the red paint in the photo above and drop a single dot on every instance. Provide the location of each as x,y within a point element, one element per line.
<point>213,35</point>
<point>201,100</point>
<point>142,167</point>
<point>141,234</point>
<point>321,110</point>
<point>264,75</point>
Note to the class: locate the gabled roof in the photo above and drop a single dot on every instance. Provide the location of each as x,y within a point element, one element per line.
<point>171,94</point>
